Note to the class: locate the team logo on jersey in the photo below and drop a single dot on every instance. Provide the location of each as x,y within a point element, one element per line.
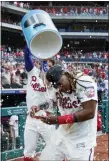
<point>36,86</point>
<point>66,102</point>
<point>90,92</point>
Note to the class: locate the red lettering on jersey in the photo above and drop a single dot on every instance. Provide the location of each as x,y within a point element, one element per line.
<point>43,89</point>
<point>79,101</point>
<point>69,105</point>
<point>66,103</point>
<point>36,86</point>
<point>34,78</point>
<point>74,103</point>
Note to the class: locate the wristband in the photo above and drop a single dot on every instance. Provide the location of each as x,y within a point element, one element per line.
<point>67,119</point>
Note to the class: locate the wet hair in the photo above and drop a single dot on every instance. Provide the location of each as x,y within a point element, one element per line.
<point>51,61</point>
<point>71,77</point>
<point>55,73</point>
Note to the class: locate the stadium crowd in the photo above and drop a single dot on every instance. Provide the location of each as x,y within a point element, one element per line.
<point>7,51</point>
<point>9,21</point>
<point>95,56</point>
<point>17,54</point>
<point>64,10</point>
<point>14,75</point>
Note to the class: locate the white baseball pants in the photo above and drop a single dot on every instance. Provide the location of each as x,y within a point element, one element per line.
<point>33,128</point>
<point>59,153</point>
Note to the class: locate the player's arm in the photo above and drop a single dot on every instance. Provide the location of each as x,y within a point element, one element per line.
<point>87,113</point>
<point>28,59</point>
<point>88,103</point>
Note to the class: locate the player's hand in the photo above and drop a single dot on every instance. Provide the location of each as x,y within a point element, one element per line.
<point>51,120</point>
<point>48,113</point>
<point>34,109</point>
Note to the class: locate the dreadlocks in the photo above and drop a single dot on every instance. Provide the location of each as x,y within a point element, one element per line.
<point>72,77</point>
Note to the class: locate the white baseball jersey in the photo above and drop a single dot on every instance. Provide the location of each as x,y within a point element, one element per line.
<point>14,122</point>
<point>81,134</point>
<point>7,76</point>
<point>36,94</point>
<point>106,83</point>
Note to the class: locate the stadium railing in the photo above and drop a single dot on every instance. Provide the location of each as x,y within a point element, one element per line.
<point>21,112</point>
<point>105,116</point>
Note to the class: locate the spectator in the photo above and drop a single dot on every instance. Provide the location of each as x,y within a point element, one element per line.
<point>14,131</point>
<point>4,139</point>
<point>23,79</point>
<point>6,78</point>
<point>21,4</point>
<point>27,6</point>
<point>15,3</point>
<point>66,10</point>
<point>16,80</point>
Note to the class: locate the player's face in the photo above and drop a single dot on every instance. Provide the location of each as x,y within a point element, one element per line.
<point>49,64</point>
<point>64,85</point>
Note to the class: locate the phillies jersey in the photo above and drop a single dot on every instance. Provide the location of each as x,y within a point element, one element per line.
<point>36,91</point>
<point>81,134</point>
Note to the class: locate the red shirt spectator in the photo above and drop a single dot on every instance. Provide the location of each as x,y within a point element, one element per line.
<point>2,49</point>
<point>98,11</point>
<point>65,10</point>
<point>86,71</point>
<point>98,70</point>
<point>27,6</point>
<point>18,4</point>
<point>5,54</point>
<point>106,55</point>
<point>103,75</point>
<point>53,11</point>
<point>21,53</point>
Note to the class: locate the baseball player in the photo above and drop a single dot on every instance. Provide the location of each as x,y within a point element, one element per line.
<point>36,98</point>
<point>75,138</point>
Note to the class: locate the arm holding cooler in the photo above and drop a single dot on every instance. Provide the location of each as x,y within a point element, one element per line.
<point>28,59</point>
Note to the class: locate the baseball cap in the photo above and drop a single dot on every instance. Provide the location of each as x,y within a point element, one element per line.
<point>53,75</point>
